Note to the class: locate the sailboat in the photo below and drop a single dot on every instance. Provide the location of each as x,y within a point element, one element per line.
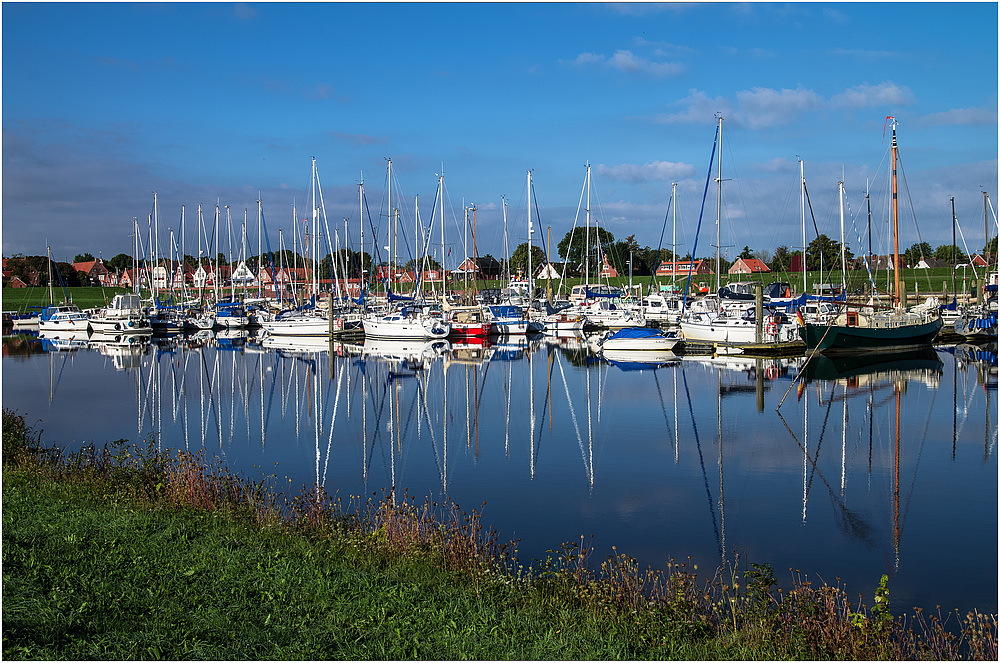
<point>856,331</point>
<point>307,320</point>
<point>724,320</point>
<point>61,317</point>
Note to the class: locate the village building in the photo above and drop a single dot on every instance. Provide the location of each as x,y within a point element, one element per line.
<point>749,266</point>
<point>93,272</point>
<point>683,267</point>
<point>607,271</point>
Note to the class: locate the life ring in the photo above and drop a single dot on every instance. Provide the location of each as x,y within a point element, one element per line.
<point>338,324</point>
<point>772,328</point>
<point>771,373</point>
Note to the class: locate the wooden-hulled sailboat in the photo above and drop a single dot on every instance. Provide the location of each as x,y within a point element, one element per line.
<point>857,331</point>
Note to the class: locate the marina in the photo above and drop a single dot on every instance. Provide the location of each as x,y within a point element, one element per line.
<point>842,467</point>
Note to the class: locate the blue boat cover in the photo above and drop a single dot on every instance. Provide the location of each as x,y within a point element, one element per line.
<point>636,332</point>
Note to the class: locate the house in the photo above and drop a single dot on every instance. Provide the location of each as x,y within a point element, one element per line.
<point>932,263</point>
<point>20,269</point>
<point>133,279</point>
<point>683,267</point>
<point>607,271</point>
<point>978,261</point>
<point>748,266</point>
<point>243,275</point>
<point>93,272</point>
<point>481,268</point>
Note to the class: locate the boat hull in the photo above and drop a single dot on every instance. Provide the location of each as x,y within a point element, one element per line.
<point>841,338</point>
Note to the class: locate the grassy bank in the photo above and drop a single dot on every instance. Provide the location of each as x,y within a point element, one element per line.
<point>122,553</point>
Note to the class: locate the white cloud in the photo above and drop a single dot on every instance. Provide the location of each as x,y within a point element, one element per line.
<point>761,108</point>
<point>628,62</point>
<point>655,171</point>
<point>984,115</point>
<point>700,110</point>
<point>885,93</point>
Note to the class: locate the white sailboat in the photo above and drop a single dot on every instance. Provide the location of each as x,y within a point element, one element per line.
<point>310,321</point>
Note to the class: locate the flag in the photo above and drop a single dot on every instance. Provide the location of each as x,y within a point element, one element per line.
<point>798,316</point>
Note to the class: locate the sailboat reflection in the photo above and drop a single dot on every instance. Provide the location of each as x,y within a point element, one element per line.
<point>864,376</point>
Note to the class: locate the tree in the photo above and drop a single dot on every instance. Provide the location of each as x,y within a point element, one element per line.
<point>746,253</point>
<point>70,277</point>
<point>573,251</point>
<point>944,252</point>
<point>120,262</point>
<point>824,253</point>
<point>419,262</point>
<point>991,250</point>
<point>85,257</point>
<point>782,259</point>
<point>519,259</point>
<point>917,252</point>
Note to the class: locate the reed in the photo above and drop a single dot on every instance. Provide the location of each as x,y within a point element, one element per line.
<point>127,551</point>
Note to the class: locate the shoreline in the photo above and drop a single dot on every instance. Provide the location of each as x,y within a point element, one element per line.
<point>124,552</point>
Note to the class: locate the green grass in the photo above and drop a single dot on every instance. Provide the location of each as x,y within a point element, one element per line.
<point>21,299</point>
<point>126,553</point>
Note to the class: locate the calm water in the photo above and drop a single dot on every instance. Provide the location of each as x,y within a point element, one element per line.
<point>684,459</point>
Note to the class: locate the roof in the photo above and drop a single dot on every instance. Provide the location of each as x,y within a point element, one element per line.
<point>753,264</point>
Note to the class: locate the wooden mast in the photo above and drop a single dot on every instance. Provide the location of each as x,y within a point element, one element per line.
<point>895,213</point>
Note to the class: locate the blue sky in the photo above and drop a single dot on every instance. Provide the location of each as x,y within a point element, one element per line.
<point>103,104</point>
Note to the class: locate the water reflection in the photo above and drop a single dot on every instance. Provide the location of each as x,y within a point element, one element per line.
<point>662,456</point>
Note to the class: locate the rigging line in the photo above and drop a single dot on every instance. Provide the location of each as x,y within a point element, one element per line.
<point>822,433</point>
<point>572,412</point>
<point>916,464</point>
<point>659,247</point>
<point>694,250</point>
<point>666,418</point>
<point>701,459</point>
<point>857,234</point>
<point>333,419</point>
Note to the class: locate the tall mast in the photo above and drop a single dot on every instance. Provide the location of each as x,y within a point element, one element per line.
<point>718,219</point>
<point>986,224</point>
<point>843,254</point>
<point>586,251</point>
<point>475,253</point>
<point>802,212</point>
<point>441,205</point>
<point>895,214</point>
<point>313,288</point>
<point>215,276</point>
<point>673,244</point>
<point>531,284</point>
<point>953,292</point>
<point>362,282</point>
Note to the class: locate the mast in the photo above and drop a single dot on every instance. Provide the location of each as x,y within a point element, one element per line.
<point>441,205</point>
<point>843,254</point>
<point>986,224</point>
<point>718,219</point>
<point>586,251</point>
<point>802,212</point>
<point>531,230</point>
<point>313,288</point>
<point>361,256</point>
<point>895,213</point>
<point>475,259</point>
<point>868,200</point>
<point>953,291</point>
<point>215,276</point>
<point>673,241</point>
